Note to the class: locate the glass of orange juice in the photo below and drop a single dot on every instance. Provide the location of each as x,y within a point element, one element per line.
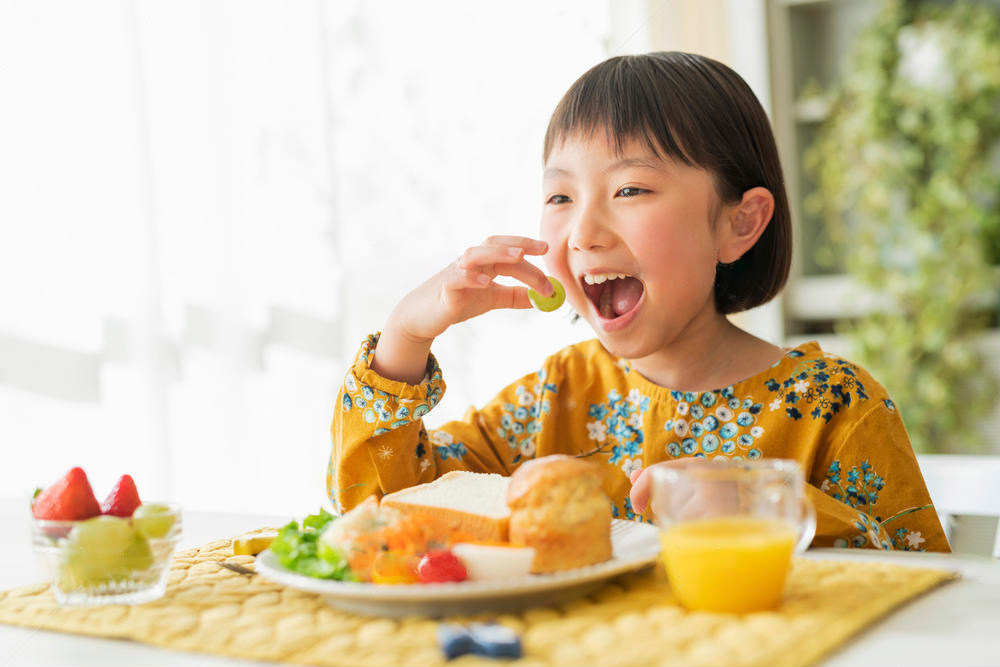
<point>728,530</point>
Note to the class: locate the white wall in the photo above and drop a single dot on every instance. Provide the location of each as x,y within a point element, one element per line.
<point>204,206</point>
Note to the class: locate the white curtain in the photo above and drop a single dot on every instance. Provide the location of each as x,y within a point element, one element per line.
<point>204,207</point>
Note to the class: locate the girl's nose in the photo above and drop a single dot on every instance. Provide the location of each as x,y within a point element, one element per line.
<point>590,231</point>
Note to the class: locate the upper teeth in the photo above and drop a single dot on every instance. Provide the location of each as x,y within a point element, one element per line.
<point>598,278</point>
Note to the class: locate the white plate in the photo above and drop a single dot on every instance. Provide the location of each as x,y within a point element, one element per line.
<point>634,545</point>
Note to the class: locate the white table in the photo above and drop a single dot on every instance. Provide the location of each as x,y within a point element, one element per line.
<point>957,624</point>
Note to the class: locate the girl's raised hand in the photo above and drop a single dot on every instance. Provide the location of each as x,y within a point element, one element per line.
<point>465,288</point>
<point>462,290</point>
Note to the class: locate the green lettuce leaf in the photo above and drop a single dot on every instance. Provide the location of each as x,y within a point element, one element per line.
<point>300,550</point>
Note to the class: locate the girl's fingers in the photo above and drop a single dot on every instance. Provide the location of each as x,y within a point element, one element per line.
<point>531,246</point>
<point>461,278</point>
<point>510,296</point>
<point>493,260</point>
<point>482,256</point>
<point>500,255</point>
<point>504,296</point>
<point>639,495</point>
<point>527,273</point>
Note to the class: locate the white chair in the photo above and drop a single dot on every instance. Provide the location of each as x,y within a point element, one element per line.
<point>966,493</point>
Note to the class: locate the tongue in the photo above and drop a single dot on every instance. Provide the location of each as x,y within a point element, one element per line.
<point>625,293</point>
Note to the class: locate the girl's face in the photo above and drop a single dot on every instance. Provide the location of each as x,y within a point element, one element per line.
<point>631,239</point>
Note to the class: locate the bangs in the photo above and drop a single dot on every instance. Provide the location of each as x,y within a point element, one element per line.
<point>624,98</point>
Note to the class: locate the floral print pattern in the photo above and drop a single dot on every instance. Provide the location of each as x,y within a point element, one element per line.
<point>385,411</point>
<point>860,490</point>
<point>446,447</point>
<point>618,425</point>
<point>331,473</point>
<point>627,512</point>
<point>822,387</point>
<point>862,485</point>
<point>714,423</point>
<point>421,450</point>
<point>521,421</point>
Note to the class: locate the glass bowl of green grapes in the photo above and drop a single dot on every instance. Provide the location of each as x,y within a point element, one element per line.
<point>109,559</point>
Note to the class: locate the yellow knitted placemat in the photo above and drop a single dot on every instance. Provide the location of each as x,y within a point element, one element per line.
<point>635,620</point>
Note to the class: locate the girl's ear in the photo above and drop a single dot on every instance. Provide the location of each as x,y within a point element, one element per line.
<point>744,222</point>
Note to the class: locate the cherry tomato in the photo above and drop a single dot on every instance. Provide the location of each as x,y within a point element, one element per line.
<point>440,566</point>
<point>393,567</point>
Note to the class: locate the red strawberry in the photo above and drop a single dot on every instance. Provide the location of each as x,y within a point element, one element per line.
<point>123,499</point>
<point>69,499</point>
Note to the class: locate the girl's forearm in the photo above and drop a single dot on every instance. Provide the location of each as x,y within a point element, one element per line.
<point>400,357</point>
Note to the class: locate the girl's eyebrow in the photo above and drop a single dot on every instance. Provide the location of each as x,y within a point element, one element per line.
<point>552,172</point>
<point>624,163</point>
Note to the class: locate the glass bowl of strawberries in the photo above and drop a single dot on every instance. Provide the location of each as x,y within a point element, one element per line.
<point>115,552</point>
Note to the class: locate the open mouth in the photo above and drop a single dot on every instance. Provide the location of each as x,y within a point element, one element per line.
<point>613,294</point>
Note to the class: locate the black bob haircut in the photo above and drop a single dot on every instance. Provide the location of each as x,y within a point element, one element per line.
<point>699,112</point>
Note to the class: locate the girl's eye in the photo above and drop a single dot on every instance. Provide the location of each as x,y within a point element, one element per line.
<point>557,199</point>
<point>629,191</point>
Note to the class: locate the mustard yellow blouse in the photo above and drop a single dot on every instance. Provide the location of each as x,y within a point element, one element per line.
<point>826,413</point>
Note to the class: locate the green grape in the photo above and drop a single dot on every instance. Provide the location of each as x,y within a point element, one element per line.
<point>102,534</point>
<point>153,520</point>
<point>95,552</point>
<point>548,303</point>
<point>138,556</point>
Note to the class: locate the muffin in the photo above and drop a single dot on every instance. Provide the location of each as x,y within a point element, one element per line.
<point>559,508</point>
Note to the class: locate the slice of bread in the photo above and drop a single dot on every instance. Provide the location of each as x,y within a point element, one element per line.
<point>471,503</point>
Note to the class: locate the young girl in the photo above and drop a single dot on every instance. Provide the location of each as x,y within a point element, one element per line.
<point>664,210</point>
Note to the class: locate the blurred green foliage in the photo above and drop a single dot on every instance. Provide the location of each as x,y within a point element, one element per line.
<point>907,167</point>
